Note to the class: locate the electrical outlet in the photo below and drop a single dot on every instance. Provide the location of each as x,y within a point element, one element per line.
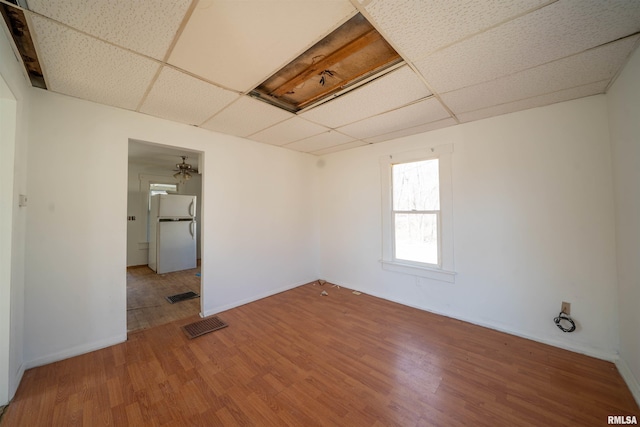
<point>566,307</point>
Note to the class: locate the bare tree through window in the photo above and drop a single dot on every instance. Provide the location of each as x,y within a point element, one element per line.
<point>416,211</point>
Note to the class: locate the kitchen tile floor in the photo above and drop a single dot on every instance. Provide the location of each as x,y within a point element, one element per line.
<point>146,296</point>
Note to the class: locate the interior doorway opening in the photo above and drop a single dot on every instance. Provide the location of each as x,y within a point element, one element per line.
<point>151,172</point>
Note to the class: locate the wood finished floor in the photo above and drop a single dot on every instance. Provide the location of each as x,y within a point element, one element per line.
<point>146,296</point>
<point>301,359</point>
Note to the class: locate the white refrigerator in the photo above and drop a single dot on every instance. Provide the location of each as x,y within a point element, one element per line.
<point>172,233</point>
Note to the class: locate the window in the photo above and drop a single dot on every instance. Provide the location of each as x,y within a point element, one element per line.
<point>416,212</point>
<point>161,188</point>
<point>417,219</point>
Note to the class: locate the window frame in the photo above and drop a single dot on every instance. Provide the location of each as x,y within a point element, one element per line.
<point>395,212</point>
<point>444,270</point>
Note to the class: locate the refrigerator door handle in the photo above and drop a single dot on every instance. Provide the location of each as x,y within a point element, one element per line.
<point>192,227</point>
<point>191,208</point>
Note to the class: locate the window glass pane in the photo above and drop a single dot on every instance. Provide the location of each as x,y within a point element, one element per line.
<point>416,186</point>
<point>158,188</point>
<point>416,237</point>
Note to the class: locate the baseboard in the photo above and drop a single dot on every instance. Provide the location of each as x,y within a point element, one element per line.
<point>13,387</point>
<point>87,348</point>
<point>629,378</point>
<point>137,266</point>
<point>75,351</point>
<point>588,351</point>
<point>235,304</point>
<point>17,380</point>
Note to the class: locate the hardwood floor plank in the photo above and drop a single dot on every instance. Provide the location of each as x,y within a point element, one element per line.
<point>298,358</point>
<point>134,414</point>
<point>118,414</point>
<point>226,418</point>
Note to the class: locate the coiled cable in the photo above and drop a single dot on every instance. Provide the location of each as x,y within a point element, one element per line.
<point>565,317</point>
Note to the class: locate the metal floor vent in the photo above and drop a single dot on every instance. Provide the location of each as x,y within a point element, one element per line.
<point>202,327</point>
<point>182,297</point>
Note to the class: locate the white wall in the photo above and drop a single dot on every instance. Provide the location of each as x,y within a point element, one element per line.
<point>533,221</point>
<point>137,246</point>
<point>533,225</point>
<point>8,109</point>
<point>624,114</point>
<point>257,221</point>
<point>13,136</point>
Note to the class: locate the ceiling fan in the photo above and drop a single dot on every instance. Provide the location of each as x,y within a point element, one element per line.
<point>182,172</point>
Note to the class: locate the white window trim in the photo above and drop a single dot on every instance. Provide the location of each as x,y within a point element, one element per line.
<point>445,271</point>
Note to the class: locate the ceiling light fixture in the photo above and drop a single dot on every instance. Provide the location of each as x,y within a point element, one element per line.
<point>183,169</point>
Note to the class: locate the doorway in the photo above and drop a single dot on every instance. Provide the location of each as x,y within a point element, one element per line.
<point>151,170</point>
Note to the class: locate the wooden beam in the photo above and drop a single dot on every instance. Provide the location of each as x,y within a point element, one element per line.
<point>341,84</point>
<point>338,55</point>
<point>17,25</point>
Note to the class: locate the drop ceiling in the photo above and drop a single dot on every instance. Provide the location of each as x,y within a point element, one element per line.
<point>158,159</point>
<point>197,62</point>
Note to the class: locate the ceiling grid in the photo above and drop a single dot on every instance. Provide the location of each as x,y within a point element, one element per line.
<point>197,61</point>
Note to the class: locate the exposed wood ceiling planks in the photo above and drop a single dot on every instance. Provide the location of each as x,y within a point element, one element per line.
<point>352,52</point>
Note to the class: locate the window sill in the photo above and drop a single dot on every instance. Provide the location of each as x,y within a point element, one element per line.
<point>429,273</point>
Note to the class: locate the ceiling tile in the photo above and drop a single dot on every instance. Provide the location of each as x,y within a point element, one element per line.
<point>416,114</point>
<point>341,147</point>
<point>561,29</point>
<point>154,156</point>
<point>538,101</point>
<point>246,116</point>
<point>102,73</point>
<point>238,44</point>
<point>142,26</point>
<point>393,90</point>
<point>483,57</point>
<point>419,28</point>
<point>591,66</point>
<point>180,97</point>
<point>319,142</point>
<point>412,130</point>
<point>288,131</point>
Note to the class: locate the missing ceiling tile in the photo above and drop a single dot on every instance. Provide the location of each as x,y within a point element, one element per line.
<point>17,24</point>
<point>353,52</point>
